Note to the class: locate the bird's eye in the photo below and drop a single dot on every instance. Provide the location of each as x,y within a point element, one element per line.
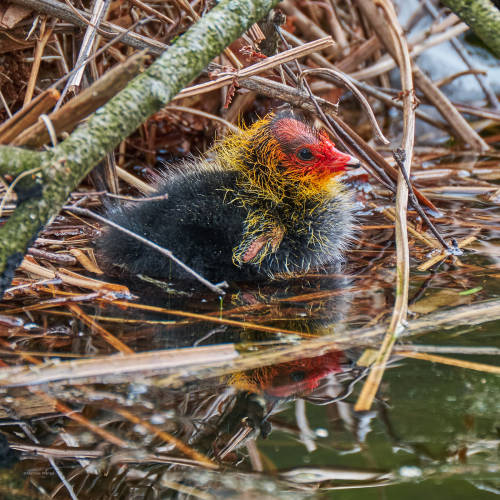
<point>305,154</point>
<point>298,376</point>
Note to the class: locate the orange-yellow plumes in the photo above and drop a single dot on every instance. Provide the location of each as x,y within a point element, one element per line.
<point>264,153</point>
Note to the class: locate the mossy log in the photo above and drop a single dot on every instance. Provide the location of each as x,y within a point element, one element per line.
<point>60,169</point>
<point>483,16</point>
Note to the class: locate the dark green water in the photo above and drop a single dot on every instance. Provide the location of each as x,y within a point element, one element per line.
<point>438,424</point>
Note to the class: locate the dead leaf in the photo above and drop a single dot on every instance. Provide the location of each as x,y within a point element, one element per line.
<point>438,299</point>
<point>10,15</point>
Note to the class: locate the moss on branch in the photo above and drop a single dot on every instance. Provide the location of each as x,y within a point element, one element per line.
<point>482,16</point>
<point>15,161</point>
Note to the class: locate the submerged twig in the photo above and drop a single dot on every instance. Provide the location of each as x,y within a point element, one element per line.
<point>107,336</point>
<point>433,358</point>
<point>168,438</point>
<point>441,256</point>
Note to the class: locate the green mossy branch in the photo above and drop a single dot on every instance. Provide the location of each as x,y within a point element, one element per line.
<point>15,161</point>
<point>63,167</point>
<point>483,17</point>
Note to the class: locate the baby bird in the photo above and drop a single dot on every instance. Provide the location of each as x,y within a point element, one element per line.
<point>269,204</point>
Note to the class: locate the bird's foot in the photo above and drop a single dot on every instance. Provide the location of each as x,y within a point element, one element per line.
<point>163,285</point>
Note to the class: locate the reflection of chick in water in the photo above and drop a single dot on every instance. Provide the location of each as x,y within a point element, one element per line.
<point>325,304</point>
<point>312,305</point>
<point>292,379</point>
<point>244,401</point>
<point>262,389</point>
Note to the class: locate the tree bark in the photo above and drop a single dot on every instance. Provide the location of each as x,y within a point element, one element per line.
<point>64,166</point>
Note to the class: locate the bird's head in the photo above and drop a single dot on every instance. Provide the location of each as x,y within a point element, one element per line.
<point>304,151</point>
<point>283,151</point>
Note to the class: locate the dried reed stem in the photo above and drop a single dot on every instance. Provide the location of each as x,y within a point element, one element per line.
<point>433,358</point>
<point>45,34</point>
<point>68,116</point>
<point>269,63</point>
<point>400,310</point>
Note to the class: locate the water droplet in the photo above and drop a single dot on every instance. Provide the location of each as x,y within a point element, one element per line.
<point>410,471</point>
<point>321,433</point>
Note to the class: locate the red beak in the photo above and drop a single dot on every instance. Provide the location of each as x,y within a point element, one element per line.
<point>344,159</point>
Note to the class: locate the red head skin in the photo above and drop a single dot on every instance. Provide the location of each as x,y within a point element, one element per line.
<point>309,151</point>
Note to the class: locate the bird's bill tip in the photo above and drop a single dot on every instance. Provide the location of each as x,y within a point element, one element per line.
<point>353,162</point>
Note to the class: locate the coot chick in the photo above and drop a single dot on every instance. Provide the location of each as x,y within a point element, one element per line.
<point>267,203</point>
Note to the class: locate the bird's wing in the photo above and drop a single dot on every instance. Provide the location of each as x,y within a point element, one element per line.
<point>257,244</point>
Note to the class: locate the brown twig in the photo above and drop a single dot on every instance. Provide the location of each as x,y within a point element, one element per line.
<point>68,116</point>
<point>308,27</point>
<point>45,34</point>
<point>71,278</point>
<point>152,12</point>
<point>81,19</point>
<point>266,64</point>
<point>27,115</point>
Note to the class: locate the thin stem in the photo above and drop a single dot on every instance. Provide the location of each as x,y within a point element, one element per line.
<point>163,251</point>
<point>399,156</point>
